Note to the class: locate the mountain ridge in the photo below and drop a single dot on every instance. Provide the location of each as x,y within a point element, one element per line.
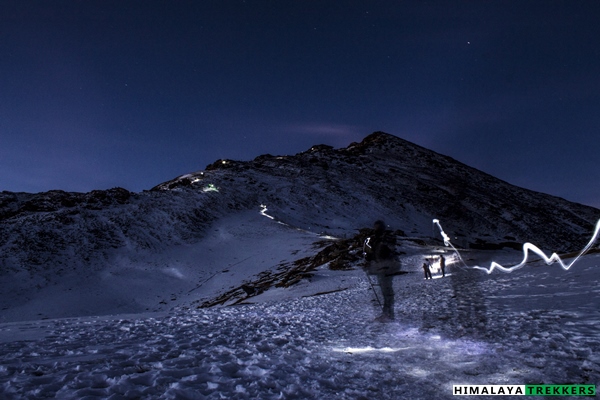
<point>405,178</point>
<point>324,190</point>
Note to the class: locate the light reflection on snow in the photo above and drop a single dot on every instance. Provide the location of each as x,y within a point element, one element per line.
<point>440,276</point>
<point>368,349</point>
<point>418,372</point>
<point>175,272</point>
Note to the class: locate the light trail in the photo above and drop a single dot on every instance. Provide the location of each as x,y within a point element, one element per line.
<point>527,247</point>
<point>263,212</point>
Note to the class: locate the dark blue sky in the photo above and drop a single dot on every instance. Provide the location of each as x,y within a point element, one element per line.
<point>97,94</point>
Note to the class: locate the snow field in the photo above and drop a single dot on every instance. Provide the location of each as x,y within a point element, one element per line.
<point>322,346</point>
<point>253,351</point>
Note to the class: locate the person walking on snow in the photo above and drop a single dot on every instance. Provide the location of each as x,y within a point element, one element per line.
<point>427,269</point>
<point>380,255</point>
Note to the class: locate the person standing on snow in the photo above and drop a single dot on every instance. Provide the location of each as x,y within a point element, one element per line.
<point>380,254</point>
<point>427,269</point>
<point>443,266</point>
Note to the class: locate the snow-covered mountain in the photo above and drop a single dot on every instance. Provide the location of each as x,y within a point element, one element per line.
<point>140,273</point>
<point>174,231</point>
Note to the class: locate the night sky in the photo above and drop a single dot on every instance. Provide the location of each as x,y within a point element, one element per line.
<point>96,94</point>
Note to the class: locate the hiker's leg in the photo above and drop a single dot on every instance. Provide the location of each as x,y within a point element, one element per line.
<point>387,289</point>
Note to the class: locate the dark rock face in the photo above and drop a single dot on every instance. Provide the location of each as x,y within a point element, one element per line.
<point>322,189</point>
<point>14,204</point>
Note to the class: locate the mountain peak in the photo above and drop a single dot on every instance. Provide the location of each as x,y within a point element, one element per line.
<point>379,137</point>
<point>376,140</point>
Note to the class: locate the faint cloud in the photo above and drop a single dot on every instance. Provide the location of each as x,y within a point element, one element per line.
<point>336,130</point>
<point>337,135</point>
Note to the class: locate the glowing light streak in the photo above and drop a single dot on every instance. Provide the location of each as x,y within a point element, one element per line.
<point>368,349</point>
<point>527,247</point>
<point>444,236</point>
<point>263,212</point>
<point>328,237</point>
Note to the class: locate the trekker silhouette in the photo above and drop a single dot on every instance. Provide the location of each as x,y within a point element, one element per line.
<point>381,257</point>
<point>427,269</point>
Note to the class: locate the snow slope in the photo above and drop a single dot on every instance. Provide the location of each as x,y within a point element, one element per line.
<point>234,249</point>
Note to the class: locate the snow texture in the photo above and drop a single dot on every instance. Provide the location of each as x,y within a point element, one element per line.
<point>537,325</point>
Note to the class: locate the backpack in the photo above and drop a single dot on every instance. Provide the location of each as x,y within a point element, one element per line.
<point>381,258</point>
<point>377,248</point>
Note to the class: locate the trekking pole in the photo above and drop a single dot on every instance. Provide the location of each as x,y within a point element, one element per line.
<point>365,245</point>
<point>372,287</point>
